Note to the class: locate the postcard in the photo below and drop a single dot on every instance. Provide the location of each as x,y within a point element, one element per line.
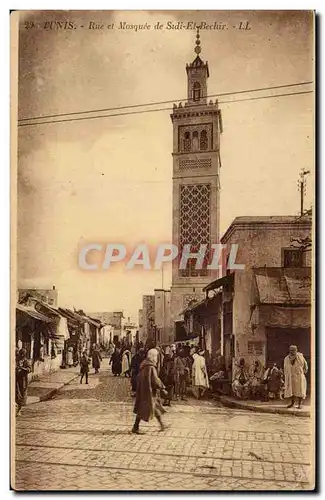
<point>162,258</point>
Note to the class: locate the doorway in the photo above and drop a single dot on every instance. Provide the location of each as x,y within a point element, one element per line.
<point>280,339</point>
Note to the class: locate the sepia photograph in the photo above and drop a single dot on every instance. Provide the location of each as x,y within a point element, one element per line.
<point>162,250</point>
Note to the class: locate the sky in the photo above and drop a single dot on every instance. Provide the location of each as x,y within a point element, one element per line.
<point>110,180</point>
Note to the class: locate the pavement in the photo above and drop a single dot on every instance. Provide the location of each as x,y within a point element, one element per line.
<point>81,440</point>
<point>47,386</point>
<point>279,407</point>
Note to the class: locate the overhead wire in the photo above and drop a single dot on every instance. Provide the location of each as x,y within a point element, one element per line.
<point>127,113</point>
<point>158,103</point>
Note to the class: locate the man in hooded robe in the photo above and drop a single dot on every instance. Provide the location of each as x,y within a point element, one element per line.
<point>200,380</point>
<point>295,369</point>
<point>147,400</point>
<point>126,362</point>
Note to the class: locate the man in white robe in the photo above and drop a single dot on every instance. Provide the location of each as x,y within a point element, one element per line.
<point>295,369</point>
<point>200,380</point>
<point>126,363</point>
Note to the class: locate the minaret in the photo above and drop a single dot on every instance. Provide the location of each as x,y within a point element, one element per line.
<point>196,164</point>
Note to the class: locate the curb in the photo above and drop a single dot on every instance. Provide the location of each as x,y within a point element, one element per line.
<point>230,403</point>
<point>52,392</point>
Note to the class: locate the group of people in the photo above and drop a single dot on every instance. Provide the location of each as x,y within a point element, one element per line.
<point>272,382</point>
<point>120,359</point>
<point>160,375</point>
<point>179,367</point>
<point>85,361</point>
<point>256,382</point>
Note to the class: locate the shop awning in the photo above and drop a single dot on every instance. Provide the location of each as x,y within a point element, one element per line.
<point>94,322</point>
<point>46,309</point>
<point>282,286</point>
<point>73,316</point>
<point>225,280</point>
<point>32,313</point>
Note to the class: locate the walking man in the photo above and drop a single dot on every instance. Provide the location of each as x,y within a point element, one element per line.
<point>96,357</point>
<point>147,401</point>
<point>84,367</point>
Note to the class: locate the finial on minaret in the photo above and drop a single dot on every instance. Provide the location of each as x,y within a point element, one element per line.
<point>198,42</point>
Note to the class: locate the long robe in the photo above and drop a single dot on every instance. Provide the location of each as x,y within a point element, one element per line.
<point>126,365</point>
<point>135,368</point>
<point>96,357</point>
<point>295,383</point>
<point>147,401</point>
<point>241,382</point>
<point>199,372</point>
<point>116,363</point>
<point>22,370</point>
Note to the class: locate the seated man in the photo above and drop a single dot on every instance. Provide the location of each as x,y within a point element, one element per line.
<point>257,385</point>
<point>240,385</point>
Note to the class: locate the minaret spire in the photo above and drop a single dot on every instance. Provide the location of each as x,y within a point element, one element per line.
<point>197,48</point>
<point>197,74</point>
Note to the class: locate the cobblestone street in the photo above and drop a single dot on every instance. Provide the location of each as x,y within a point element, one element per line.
<point>81,440</point>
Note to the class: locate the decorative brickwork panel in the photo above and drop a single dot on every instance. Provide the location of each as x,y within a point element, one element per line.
<point>195,137</point>
<point>194,164</point>
<point>188,299</point>
<point>195,224</point>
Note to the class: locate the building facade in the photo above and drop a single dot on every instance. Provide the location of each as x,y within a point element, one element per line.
<point>140,320</point>
<point>266,306</point>
<point>196,165</point>
<point>148,310</point>
<point>163,324</point>
<point>130,331</point>
<point>116,319</point>
<point>47,296</point>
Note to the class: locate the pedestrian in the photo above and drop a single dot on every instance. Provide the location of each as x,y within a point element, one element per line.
<point>200,381</point>
<point>84,367</point>
<point>168,350</point>
<point>134,350</point>
<point>135,368</point>
<point>116,362</point>
<point>126,362</point>
<point>147,402</point>
<point>110,351</point>
<point>23,368</point>
<point>96,358</point>
<point>167,378</point>
<point>295,369</point>
<point>179,375</point>
<point>70,357</point>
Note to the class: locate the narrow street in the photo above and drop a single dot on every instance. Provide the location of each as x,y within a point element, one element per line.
<point>81,440</point>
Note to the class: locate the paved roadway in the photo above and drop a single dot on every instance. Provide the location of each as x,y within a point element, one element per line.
<point>81,440</point>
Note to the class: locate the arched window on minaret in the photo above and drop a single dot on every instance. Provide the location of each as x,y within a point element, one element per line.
<point>195,139</point>
<point>196,91</point>
<point>203,140</point>
<point>187,142</point>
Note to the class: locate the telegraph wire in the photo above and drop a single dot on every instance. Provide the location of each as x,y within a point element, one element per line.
<point>158,109</point>
<point>162,102</point>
